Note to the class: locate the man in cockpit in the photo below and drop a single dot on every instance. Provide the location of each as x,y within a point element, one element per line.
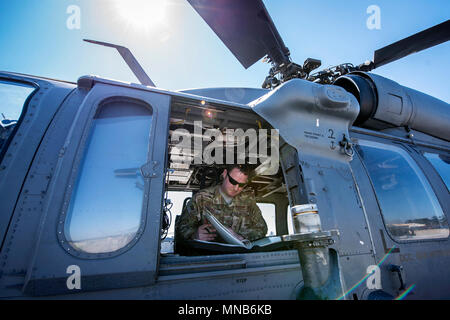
<point>231,203</point>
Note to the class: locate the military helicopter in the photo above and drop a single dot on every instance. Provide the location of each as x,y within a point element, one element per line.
<point>360,197</point>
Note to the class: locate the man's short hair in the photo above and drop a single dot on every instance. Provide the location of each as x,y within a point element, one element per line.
<point>244,168</point>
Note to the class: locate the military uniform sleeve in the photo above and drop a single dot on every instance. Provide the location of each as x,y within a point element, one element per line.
<point>257,225</point>
<point>190,219</point>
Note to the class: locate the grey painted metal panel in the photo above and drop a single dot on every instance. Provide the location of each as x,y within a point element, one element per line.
<point>310,117</point>
<point>48,260</point>
<point>315,119</point>
<point>266,276</point>
<point>42,107</point>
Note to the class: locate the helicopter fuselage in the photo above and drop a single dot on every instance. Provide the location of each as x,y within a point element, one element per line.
<point>381,192</point>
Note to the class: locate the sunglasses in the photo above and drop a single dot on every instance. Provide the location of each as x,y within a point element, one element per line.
<point>234,182</point>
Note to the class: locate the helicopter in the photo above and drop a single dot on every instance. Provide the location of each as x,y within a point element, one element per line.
<point>359,193</point>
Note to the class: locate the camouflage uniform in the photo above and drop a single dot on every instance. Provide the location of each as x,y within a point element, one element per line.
<point>242,214</point>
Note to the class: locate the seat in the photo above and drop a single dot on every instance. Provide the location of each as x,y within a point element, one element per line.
<point>177,219</point>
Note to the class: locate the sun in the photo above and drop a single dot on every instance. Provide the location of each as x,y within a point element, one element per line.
<point>141,14</point>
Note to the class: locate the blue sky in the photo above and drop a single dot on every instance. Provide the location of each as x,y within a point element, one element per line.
<point>178,50</point>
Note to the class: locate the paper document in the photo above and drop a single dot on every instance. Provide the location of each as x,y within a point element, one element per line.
<point>231,239</point>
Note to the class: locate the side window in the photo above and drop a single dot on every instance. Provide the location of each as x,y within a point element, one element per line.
<point>104,213</point>
<point>409,206</point>
<point>441,163</point>
<point>12,96</point>
<point>268,213</point>
<point>177,199</point>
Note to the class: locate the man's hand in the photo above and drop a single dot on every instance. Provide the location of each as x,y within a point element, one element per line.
<point>235,234</point>
<point>205,232</point>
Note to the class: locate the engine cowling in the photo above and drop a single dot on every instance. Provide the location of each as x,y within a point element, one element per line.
<point>386,104</point>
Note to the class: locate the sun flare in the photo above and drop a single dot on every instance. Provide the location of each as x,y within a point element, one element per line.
<point>141,14</point>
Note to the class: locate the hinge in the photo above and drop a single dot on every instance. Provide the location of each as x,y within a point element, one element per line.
<point>150,169</point>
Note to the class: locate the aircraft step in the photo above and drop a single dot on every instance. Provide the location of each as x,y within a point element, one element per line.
<point>201,266</point>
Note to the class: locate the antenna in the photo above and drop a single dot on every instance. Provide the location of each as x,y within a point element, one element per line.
<point>131,61</point>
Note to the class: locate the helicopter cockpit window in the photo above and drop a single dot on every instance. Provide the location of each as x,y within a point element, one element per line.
<point>408,204</point>
<point>441,163</point>
<point>13,96</point>
<point>104,214</point>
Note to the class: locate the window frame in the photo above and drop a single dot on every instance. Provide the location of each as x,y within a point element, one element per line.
<point>23,112</point>
<point>281,203</point>
<point>412,153</point>
<point>48,260</point>
<point>74,175</point>
<point>424,162</point>
<point>275,216</point>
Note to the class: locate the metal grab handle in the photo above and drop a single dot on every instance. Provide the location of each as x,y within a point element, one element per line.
<point>399,270</point>
<point>347,146</point>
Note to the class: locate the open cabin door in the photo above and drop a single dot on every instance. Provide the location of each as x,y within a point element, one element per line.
<point>100,228</point>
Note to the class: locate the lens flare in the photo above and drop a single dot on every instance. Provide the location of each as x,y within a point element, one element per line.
<point>367,276</point>
<point>141,14</point>
<point>406,292</point>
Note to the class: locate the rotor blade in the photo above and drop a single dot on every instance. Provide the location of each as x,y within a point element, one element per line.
<point>415,43</point>
<point>245,27</point>
<point>131,61</point>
